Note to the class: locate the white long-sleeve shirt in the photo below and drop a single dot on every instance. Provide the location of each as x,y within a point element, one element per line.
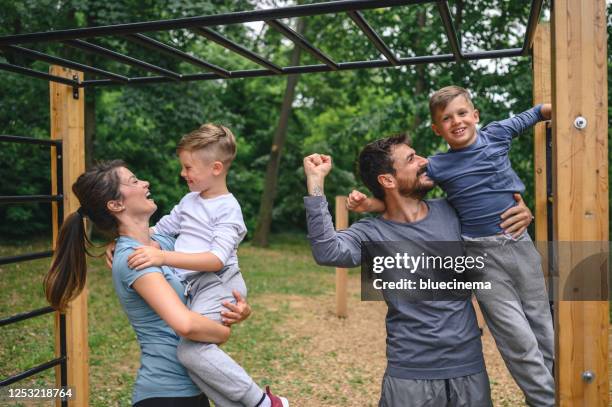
<point>205,225</point>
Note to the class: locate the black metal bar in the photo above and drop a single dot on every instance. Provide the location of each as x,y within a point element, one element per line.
<point>26,315</point>
<point>37,74</point>
<point>12,199</point>
<point>25,257</point>
<point>449,27</point>
<point>343,66</point>
<point>207,21</point>
<point>63,356</point>
<point>502,53</point>
<point>237,48</point>
<point>380,45</point>
<point>96,49</point>
<point>29,140</point>
<point>31,372</point>
<point>532,24</point>
<point>161,47</point>
<point>302,42</point>
<point>64,62</point>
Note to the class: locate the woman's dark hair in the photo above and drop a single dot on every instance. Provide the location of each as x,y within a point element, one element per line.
<point>375,159</point>
<point>67,275</point>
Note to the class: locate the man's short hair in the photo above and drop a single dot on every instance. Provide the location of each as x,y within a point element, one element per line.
<point>216,142</point>
<point>375,159</point>
<point>442,97</point>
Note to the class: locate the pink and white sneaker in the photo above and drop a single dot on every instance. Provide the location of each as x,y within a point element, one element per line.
<point>276,401</point>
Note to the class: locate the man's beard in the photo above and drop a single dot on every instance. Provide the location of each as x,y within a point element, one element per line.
<point>419,191</point>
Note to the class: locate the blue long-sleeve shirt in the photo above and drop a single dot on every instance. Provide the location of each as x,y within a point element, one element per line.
<point>425,339</point>
<point>479,180</point>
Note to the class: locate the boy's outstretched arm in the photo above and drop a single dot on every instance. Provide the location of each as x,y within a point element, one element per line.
<point>360,202</point>
<point>518,124</point>
<point>147,256</point>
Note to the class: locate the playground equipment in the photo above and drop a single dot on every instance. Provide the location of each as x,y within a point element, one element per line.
<point>575,208</point>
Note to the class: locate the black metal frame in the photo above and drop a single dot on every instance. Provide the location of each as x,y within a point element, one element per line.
<point>201,25</point>
<point>62,359</point>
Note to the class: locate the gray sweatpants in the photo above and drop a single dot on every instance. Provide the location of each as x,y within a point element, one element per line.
<point>465,391</point>
<point>517,312</point>
<point>223,380</point>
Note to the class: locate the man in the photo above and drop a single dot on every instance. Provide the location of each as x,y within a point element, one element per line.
<point>434,351</point>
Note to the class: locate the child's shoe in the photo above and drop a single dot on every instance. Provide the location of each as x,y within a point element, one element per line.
<point>276,401</point>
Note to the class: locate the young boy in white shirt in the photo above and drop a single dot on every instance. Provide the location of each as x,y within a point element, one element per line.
<point>209,227</point>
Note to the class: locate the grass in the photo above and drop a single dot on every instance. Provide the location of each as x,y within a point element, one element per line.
<point>284,268</point>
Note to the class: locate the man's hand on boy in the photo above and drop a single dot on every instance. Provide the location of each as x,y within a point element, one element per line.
<point>546,111</point>
<point>146,256</point>
<point>237,312</point>
<point>516,219</point>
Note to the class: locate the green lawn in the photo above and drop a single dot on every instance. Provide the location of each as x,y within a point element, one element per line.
<point>285,268</point>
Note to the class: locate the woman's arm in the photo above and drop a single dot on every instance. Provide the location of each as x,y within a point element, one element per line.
<point>165,302</point>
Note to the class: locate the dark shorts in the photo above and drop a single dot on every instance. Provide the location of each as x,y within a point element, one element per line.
<point>465,391</point>
<point>195,401</point>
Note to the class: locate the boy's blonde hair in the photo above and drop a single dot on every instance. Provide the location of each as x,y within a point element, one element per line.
<point>442,97</point>
<point>217,142</point>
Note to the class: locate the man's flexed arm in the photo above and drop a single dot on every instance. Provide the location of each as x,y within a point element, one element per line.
<point>330,248</point>
<point>316,168</point>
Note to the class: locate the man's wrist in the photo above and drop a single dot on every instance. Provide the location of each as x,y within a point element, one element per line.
<point>315,186</point>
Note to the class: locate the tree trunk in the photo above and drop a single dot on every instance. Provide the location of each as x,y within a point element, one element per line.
<point>419,86</point>
<point>264,221</point>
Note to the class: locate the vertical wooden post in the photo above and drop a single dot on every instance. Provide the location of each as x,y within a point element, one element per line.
<point>341,273</point>
<point>541,94</point>
<point>67,124</point>
<point>580,188</point>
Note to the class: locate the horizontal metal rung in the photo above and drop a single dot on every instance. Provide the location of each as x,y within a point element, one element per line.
<point>30,198</point>
<point>26,315</point>
<point>29,140</point>
<point>25,257</point>
<point>33,371</point>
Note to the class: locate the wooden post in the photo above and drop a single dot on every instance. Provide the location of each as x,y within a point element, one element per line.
<point>580,188</point>
<point>541,94</point>
<point>341,273</point>
<point>67,124</point>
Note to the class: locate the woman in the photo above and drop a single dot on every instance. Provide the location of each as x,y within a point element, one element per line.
<point>119,204</point>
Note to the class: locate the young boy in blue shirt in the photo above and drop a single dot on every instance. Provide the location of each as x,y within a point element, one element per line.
<point>480,183</point>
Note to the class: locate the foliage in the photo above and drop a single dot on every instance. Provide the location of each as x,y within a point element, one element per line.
<point>334,113</point>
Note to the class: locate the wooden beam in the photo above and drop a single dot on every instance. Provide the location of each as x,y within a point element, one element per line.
<point>67,124</point>
<point>341,273</point>
<point>542,93</point>
<point>580,188</point>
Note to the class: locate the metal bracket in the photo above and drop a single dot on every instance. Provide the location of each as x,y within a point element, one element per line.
<point>588,376</point>
<point>75,88</point>
<point>580,122</point>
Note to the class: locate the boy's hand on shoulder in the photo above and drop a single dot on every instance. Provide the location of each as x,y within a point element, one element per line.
<point>546,111</point>
<point>146,256</point>
<point>108,254</point>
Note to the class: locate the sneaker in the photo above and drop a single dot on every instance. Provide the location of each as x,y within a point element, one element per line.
<point>275,400</point>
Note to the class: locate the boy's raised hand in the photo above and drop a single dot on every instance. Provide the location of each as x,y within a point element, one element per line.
<point>360,202</point>
<point>546,111</point>
<point>146,256</point>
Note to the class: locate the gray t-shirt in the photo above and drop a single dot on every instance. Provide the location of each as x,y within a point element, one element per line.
<point>427,339</point>
<point>160,373</point>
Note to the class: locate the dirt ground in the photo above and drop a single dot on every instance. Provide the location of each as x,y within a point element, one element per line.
<point>346,357</point>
